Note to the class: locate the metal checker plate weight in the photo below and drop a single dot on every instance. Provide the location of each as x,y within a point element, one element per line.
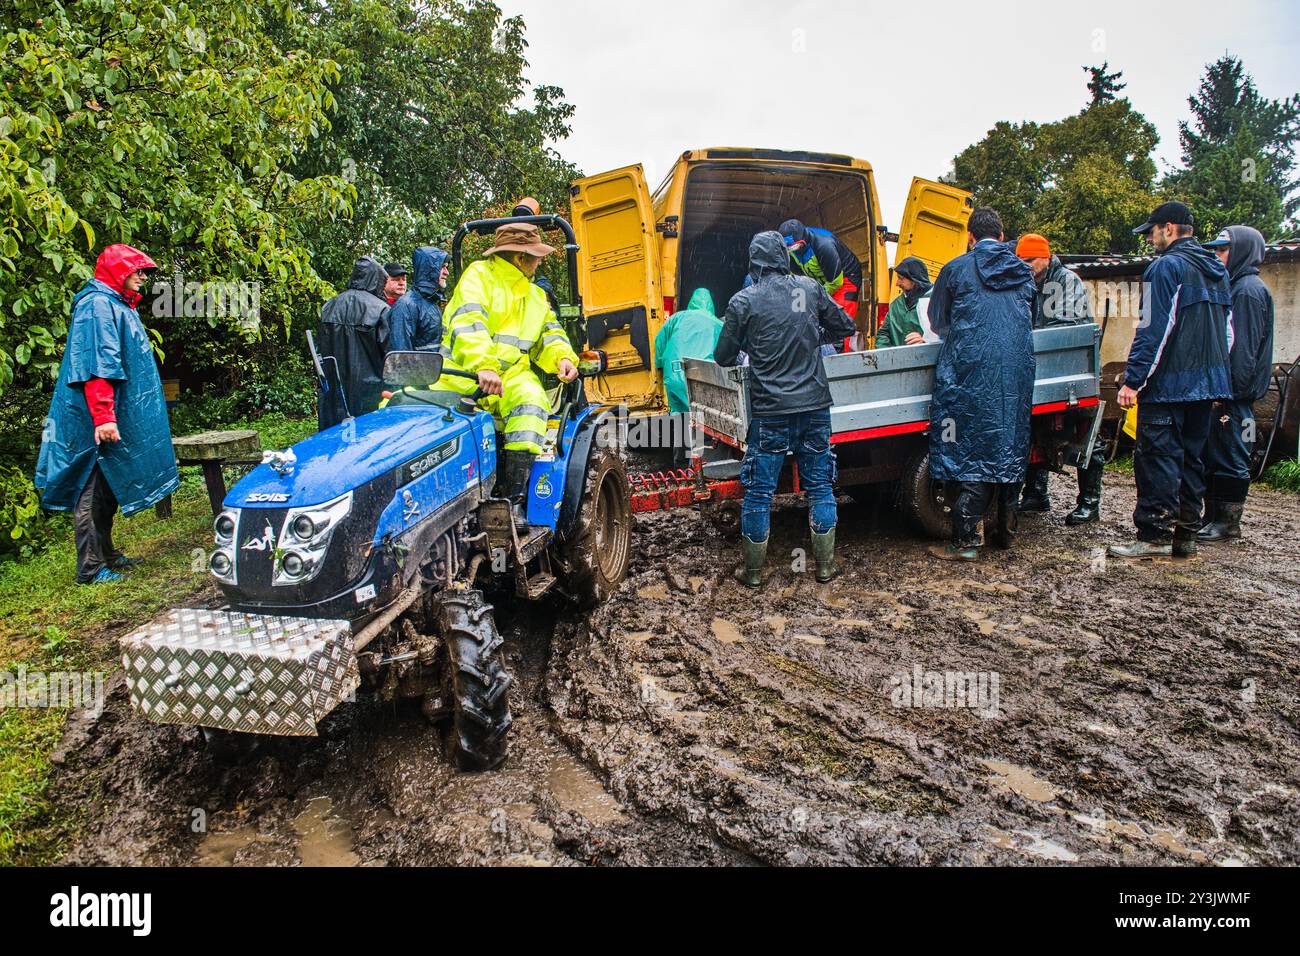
<point>252,673</point>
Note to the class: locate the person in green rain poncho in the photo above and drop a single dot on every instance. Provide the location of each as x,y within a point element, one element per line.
<point>689,334</point>
<point>902,325</point>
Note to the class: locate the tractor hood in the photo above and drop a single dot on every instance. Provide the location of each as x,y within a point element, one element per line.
<point>376,492</point>
<point>348,455</point>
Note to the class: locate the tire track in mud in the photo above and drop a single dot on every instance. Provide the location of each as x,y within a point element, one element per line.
<point>374,789</point>
<point>1146,714</point>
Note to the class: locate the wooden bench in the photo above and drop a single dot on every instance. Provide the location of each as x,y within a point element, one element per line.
<point>212,451</point>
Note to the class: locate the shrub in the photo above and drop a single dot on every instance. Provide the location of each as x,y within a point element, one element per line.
<point>24,529</point>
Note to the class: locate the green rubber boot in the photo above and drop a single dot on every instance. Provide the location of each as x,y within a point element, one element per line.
<point>823,549</point>
<point>754,553</point>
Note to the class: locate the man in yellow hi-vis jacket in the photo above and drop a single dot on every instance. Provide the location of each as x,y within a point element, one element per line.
<point>498,325</point>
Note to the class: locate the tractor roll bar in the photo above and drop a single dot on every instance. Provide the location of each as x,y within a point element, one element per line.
<point>484,226</point>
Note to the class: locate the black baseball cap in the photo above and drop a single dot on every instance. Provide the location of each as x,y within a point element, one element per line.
<point>1171,212</point>
<point>394,269</point>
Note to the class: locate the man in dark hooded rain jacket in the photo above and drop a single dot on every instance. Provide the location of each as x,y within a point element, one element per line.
<point>107,443</point>
<point>1061,299</point>
<point>415,322</point>
<point>1232,427</point>
<point>1177,368</point>
<point>354,330</point>
<point>902,322</point>
<point>780,322</point>
<point>981,307</point>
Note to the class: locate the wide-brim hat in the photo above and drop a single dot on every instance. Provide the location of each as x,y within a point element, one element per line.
<point>519,237</point>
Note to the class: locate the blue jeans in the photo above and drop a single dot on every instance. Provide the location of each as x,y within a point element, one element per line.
<point>808,436</point>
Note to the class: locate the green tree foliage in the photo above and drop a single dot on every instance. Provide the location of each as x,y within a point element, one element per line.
<point>432,123</point>
<point>1082,181</point>
<point>1238,153</point>
<point>267,144</point>
<point>166,125</point>
<point>1102,85</point>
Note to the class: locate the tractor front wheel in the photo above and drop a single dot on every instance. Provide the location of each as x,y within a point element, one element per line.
<point>477,682</point>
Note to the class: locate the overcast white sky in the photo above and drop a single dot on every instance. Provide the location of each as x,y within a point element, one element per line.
<point>903,85</point>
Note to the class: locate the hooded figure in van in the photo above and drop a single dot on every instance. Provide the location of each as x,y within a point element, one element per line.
<point>823,256</point>
<point>689,334</point>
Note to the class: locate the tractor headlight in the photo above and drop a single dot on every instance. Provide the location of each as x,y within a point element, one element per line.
<point>304,527</point>
<point>225,525</point>
<point>222,561</point>
<point>222,566</point>
<point>306,537</point>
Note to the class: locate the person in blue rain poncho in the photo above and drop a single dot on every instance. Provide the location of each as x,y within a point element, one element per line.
<point>107,443</point>
<point>981,308</point>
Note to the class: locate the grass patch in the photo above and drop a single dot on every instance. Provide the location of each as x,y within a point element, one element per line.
<point>50,623</point>
<point>1284,476</point>
<point>1121,463</point>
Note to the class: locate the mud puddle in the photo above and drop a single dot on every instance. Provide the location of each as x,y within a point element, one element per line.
<point>1044,706</point>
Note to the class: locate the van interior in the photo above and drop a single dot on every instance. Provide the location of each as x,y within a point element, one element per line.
<point>726,204</point>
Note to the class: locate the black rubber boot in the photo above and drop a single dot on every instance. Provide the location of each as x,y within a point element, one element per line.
<point>966,516</point>
<point>517,473</point>
<point>1184,544</point>
<point>753,553</point>
<point>1036,500</point>
<point>1225,525</point>
<point>1088,509</point>
<point>1003,533</point>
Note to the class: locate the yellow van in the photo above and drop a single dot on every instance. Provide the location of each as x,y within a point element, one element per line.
<point>641,254</point>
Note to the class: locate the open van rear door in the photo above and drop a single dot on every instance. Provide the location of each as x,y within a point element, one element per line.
<point>934,226</point>
<point>617,273</point>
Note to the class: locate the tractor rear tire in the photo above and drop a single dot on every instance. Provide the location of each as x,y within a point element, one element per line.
<point>595,558</point>
<point>478,683</point>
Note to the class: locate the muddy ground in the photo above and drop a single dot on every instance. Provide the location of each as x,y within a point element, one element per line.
<point>1143,714</point>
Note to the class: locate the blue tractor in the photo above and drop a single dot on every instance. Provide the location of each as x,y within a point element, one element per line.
<point>359,558</point>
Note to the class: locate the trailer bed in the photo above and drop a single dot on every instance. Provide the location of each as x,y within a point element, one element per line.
<point>887,391</point>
